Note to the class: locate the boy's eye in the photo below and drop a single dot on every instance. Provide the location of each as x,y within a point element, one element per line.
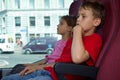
<point>77,16</point>
<point>83,16</point>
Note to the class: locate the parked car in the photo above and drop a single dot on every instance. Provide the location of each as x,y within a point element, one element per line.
<point>6,44</point>
<point>40,45</point>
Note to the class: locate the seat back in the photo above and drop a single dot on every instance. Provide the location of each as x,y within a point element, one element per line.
<point>74,7</point>
<point>108,61</point>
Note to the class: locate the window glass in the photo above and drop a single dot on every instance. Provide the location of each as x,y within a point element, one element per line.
<point>61,3</point>
<point>47,21</point>
<point>17,21</point>
<point>17,4</point>
<point>31,4</point>
<point>17,37</point>
<point>32,37</point>
<point>37,35</point>
<point>32,21</point>
<point>3,4</point>
<point>10,40</point>
<point>46,3</point>
<point>27,22</point>
<point>2,40</point>
<point>47,34</point>
<point>32,43</point>
<point>3,21</point>
<point>41,41</point>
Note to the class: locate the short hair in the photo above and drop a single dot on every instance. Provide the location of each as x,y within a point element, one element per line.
<point>70,20</point>
<point>97,9</point>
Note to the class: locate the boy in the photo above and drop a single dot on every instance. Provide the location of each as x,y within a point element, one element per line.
<point>85,44</point>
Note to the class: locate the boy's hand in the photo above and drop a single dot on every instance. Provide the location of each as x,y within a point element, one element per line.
<point>78,30</point>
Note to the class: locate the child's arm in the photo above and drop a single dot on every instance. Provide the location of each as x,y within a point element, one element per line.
<point>40,62</point>
<point>43,61</point>
<point>30,69</point>
<point>78,52</point>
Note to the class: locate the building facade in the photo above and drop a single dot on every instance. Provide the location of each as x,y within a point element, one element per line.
<point>27,19</point>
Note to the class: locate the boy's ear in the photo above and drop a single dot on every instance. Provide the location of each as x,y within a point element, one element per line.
<point>97,22</point>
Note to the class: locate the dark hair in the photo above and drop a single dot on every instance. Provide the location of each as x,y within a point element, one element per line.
<point>97,9</point>
<point>70,20</point>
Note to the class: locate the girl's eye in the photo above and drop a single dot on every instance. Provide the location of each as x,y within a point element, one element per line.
<point>60,23</point>
<point>83,16</point>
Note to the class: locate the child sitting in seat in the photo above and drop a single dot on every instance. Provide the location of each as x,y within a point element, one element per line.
<point>64,28</point>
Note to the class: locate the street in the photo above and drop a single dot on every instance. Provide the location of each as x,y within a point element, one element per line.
<point>9,60</point>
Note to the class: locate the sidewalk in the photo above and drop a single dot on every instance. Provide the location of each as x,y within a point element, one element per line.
<point>18,50</point>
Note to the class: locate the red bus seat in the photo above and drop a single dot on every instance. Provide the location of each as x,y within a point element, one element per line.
<point>107,65</point>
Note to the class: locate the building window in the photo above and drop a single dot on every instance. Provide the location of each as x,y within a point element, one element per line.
<point>31,4</point>
<point>46,3</point>
<point>47,20</point>
<point>61,3</point>
<point>3,4</point>
<point>37,35</point>
<point>3,21</point>
<point>17,4</point>
<point>17,21</point>
<point>60,17</point>
<point>32,21</point>
<point>17,37</point>
<point>47,34</point>
<point>53,34</point>
<point>32,37</point>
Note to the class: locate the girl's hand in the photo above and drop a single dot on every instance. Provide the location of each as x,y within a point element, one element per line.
<point>30,69</point>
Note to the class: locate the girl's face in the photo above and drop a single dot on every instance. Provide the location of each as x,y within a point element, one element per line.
<point>86,19</point>
<point>62,27</point>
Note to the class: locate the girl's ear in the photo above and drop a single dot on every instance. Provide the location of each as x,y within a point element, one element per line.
<point>97,22</point>
<point>70,28</point>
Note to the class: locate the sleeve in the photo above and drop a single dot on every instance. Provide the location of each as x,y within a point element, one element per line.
<point>93,46</point>
<point>66,54</point>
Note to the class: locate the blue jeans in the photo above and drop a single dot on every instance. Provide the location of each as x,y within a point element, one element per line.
<point>37,75</point>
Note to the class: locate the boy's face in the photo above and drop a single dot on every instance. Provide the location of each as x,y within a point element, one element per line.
<point>62,27</point>
<point>86,19</point>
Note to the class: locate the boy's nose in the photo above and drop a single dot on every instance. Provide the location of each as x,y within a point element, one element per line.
<point>78,20</point>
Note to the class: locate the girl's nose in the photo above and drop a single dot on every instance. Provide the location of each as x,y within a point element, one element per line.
<point>58,25</point>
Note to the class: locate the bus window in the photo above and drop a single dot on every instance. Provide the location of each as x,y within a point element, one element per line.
<point>26,23</point>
